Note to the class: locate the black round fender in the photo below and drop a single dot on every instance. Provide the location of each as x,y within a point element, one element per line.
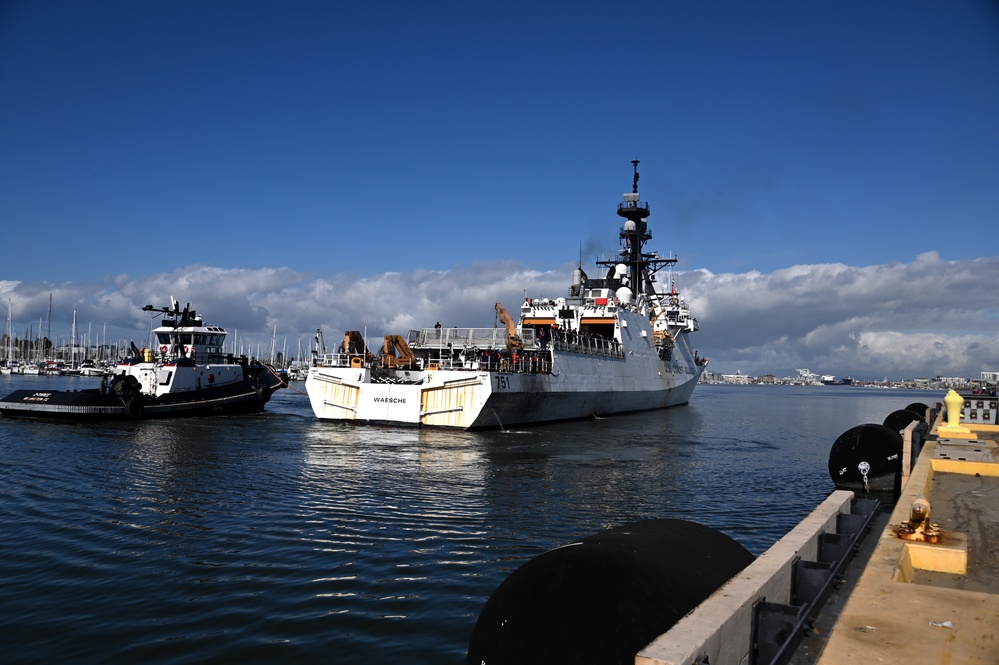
<point>603,598</point>
<point>867,457</point>
<point>919,408</point>
<point>899,420</point>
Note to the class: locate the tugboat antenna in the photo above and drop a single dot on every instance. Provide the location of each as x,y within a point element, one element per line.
<point>634,187</point>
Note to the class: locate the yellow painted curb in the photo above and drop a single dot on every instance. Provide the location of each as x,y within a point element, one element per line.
<point>949,556</point>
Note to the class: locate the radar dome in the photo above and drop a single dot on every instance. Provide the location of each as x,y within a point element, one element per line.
<point>630,225</point>
<point>624,295</point>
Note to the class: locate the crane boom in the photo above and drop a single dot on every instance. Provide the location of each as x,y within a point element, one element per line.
<point>512,339</point>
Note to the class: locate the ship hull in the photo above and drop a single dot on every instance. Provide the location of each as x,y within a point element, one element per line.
<point>578,386</point>
<point>485,401</point>
<point>89,405</point>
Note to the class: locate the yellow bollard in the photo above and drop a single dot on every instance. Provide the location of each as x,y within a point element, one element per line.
<point>954,404</point>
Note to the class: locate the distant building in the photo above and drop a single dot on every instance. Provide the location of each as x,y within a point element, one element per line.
<point>953,382</point>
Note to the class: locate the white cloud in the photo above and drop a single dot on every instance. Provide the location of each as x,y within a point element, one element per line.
<point>928,317</point>
<point>924,318</point>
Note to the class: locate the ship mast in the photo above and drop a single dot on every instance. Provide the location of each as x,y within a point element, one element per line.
<point>642,266</point>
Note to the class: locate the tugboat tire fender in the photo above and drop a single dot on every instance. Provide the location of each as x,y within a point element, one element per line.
<point>133,407</point>
<point>261,395</point>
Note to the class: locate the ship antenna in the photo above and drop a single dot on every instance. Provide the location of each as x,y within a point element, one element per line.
<point>634,187</point>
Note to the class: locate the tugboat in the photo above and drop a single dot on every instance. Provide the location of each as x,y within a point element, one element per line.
<point>187,375</point>
<point>614,345</point>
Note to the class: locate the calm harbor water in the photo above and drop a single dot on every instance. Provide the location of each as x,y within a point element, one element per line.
<point>275,537</point>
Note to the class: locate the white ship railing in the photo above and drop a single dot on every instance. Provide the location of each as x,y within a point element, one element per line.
<point>573,342</point>
<point>333,359</point>
<point>483,340</point>
<point>467,338</point>
<point>488,360</point>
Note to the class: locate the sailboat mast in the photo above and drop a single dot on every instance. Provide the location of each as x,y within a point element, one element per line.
<point>10,333</point>
<point>48,321</point>
<point>273,343</point>
<point>72,342</point>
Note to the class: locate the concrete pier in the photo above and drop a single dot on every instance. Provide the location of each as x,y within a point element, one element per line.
<point>720,629</point>
<point>927,596</point>
<point>924,602</point>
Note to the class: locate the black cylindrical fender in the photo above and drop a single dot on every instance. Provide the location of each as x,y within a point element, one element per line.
<point>603,598</point>
<point>919,408</point>
<point>899,420</point>
<point>867,458</point>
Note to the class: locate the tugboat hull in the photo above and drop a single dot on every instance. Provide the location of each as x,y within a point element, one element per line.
<point>247,397</point>
<point>185,374</point>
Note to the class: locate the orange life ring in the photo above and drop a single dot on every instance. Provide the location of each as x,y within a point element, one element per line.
<point>163,349</point>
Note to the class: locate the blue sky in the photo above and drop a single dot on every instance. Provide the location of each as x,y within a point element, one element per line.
<point>272,161</point>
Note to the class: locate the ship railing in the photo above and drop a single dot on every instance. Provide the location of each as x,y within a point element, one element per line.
<point>494,360</point>
<point>574,342</point>
<point>489,360</point>
<point>519,363</point>
<point>467,338</point>
<point>633,205</point>
<point>332,360</point>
